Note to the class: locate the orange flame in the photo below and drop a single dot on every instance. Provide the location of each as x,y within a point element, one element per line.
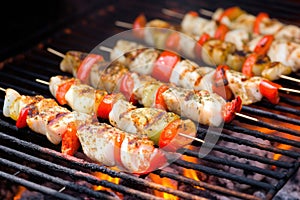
<point>18,196</point>
<point>165,182</point>
<point>190,173</point>
<point>106,177</point>
<point>285,146</point>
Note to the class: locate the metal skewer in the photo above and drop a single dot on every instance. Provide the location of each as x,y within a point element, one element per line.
<point>181,134</point>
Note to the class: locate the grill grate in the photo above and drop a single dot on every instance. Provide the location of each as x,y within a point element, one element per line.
<point>21,146</point>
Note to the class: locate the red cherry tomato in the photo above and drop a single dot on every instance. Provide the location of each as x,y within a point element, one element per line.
<point>105,106</point>
<point>198,47</point>
<point>248,64</point>
<point>231,108</point>
<point>70,142</point>
<point>159,100</point>
<point>193,13</point>
<point>258,20</point>
<point>221,32</point>
<point>127,86</point>
<point>164,65</point>
<point>139,25</point>
<point>85,67</point>
<point>168,139</point>
<point>21,121</point>
<point>62,90</point>
<point>270,91</point>
<point>231,13</point>
<point>263,45</point>
<point>220,85</point>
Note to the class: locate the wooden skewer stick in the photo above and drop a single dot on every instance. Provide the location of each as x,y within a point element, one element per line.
<point>106,49</point>
<point>191,137</point>
<point>2,89</point>
<point>290,90</point>
<point>42,81</point>
<point>181,134</point>
<point>247,117</point>
<point>179,15</point>
<point>289,78</point>
<point>56,52</point>
<point>172,13</point>
<point>123,24</point>
<point>205,12</point>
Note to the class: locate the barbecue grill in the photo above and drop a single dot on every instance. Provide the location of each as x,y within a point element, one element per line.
<point>245,148</point>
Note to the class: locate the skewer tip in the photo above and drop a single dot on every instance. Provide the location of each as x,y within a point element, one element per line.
<point>205,12</point>
<point>247,117</point>
<point>290,78</point>
<point>42,81</point>
<point>106,49</point>
<point>290,90</point>
<point>172,13</point>
<point>53,51</point>
<point>191,137</point>
<point>123,24</point>
<point>2,89</point>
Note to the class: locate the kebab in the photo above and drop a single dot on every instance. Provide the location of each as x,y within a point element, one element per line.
<point>100,142</point>
<point>212,48</point>
<point>211,109</point>
<point>262,24</point>
<point>154,123</point>
<point>185,73</point>
<point>237,20</point>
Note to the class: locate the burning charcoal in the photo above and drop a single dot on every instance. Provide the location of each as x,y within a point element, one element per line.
<point>7,190</point>
<point>31,195</point>
<point>291,190</point>
<point>242,172</point>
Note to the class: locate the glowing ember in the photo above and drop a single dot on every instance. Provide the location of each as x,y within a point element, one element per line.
<point>285,146</point>
<point>190,173</point>
<point>18,196</point>
<point>165,182</point>
<point>106,177</point>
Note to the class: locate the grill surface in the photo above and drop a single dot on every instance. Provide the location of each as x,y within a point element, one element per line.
<point>28,159</point>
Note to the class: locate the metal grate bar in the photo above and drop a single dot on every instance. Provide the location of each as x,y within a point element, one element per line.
<point>73,173</point>
<point>261,159</point>
<point>290,101</point>
<point>59,181</point>
<point>259,134</point>
<point>37,187</point>
<point>271,115</point>
<point>235,164</point>
<point>280,108</point>
<point>202,184</point>
<point>227,137</point>
<point>282,182</point>
<point>223,174</point>
<point>94,167</point>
